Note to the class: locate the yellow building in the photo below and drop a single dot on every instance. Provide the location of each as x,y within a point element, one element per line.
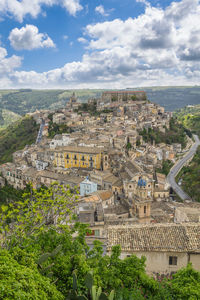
<point>78,157</point>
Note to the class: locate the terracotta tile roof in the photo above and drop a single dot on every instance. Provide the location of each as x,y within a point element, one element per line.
<point>91,198</point>
<point>104,195</point>
<point>78,149</point>
<point>160,237</point>
<point>97,196</point>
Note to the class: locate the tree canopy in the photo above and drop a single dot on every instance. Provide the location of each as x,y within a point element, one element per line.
<point>40,258</point>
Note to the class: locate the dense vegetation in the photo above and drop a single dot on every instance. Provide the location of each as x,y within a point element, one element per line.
<point>8,193</point>
<point>166,166</point>
<point>16,137</point>
<point>91,108</point>
<point>190,118</point>
<point>7,117</point>
<point>39,260</point>
<point>58,129</point>
<point>190,176</point>
<point>175,134</point>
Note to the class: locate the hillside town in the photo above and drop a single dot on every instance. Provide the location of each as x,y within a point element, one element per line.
<point>123,195</point>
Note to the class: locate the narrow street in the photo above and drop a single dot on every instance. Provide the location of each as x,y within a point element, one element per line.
<point>178,166</point>
<point>39,136</point>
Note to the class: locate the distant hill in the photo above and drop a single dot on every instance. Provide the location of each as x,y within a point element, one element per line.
<point>173,98</point>
<point>27,100</point>
<point>16,136</point>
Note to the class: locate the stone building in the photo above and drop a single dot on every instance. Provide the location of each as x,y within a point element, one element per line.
<point>140,185</point>
<point>47,178</point>
<point>78,157</point>
<point>112,96</point>
<point>167,247</point>
<point>2,182</point>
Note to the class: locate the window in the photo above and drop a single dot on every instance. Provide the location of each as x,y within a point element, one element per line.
<point>145,209</point>
<point>97,232</point>
<point>75,157</point>
<point>173,260</point>
<point>67,156</point>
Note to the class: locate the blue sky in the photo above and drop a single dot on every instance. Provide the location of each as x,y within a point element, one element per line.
<point>99,44</point>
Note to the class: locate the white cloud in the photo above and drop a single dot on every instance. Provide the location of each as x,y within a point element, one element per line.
<point>7,67</point>
<point>8,64</point>
<point>20,9</point>
<point>100,9</point>
<point>29,38</point>
<point>144,2</point>
<point>72,6</point>
<point>82,40</point>
<point>159,47</point>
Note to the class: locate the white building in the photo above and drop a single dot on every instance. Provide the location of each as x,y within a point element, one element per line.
<point>87,187</point>
<point>60,140</point>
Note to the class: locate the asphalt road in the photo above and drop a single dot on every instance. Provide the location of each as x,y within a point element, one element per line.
<point>177,167</point>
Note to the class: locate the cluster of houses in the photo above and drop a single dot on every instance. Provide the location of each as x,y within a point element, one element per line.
<point>123,197</point>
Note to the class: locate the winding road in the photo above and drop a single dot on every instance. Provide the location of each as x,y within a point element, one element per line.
<point>178,166</point>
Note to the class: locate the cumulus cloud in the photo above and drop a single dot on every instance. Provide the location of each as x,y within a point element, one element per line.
<point>20,9</point>
<point>100,9</point>
<point>29,38</point>
<point>159,47</point>
<point>7,67</point>
<point>8,64</point>
<point>72,6</point>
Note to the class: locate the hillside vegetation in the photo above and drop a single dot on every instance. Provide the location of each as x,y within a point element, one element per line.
<point>7,117</point>
<point>16,137</point>
<point>190,117</point>
<point>175,134</point>
<point>24,101</point>
<point>190,176</point>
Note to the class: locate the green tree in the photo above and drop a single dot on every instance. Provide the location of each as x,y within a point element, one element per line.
<point>185,284</point>
<point>20,282</point>
<point>35,212</point>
